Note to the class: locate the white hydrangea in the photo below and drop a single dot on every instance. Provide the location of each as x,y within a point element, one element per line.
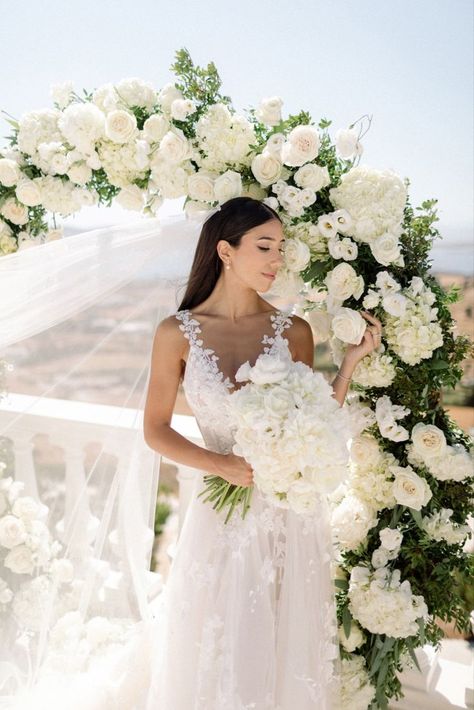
<point>38,127</point>
<point>124,163</point>
<point>439,527</point>
<point>374,199</point>
<point>357,692</point>
<point>62,196</point>
<point>223,138</point>
<point>351,520</point>
<point>136,92</point>
<point>451,463</point>
<point>415,334</point>
<point>372,483</point>
<point>376,369</point>
<point>384,605</point>
<point>82,125</point>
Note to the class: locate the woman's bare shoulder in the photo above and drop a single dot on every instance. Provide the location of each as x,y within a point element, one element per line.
<point>299,327</point>
<point>168,332</point>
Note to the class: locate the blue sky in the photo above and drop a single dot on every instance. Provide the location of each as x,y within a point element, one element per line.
<point>408,63</point>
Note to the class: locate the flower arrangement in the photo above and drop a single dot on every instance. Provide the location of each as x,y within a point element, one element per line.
<point>353,240</point>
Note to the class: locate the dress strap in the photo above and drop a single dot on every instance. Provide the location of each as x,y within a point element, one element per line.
<point>280,322</point>
<point>190,327</point>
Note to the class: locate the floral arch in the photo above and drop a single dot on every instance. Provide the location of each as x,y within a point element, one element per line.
<point>353,241</point>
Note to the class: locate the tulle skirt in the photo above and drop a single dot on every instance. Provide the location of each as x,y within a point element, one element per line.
<point>247,618</point>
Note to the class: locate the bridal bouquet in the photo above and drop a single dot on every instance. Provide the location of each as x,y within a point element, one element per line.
<point>291,430</point>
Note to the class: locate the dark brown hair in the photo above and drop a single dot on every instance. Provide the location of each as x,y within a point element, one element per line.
<point>236,217</point>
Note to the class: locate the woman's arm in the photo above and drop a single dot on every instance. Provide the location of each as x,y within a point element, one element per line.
<point>169,346</point>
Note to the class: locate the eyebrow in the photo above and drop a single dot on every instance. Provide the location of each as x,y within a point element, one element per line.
<point>272,239</point>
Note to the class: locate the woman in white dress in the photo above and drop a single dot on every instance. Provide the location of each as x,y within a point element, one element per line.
<point>247,617</point>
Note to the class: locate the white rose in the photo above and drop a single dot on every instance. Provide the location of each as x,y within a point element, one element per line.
<point>302,497</point>
<point>275,143</point>
<point>26,507</point>
<point>12,531</point>
<point>120,126</point>
<point>385,248</point>
<point>9,172</point>
<point>155,128</point>
<point>201,186</point>
<point>301,147</point>
<point>269,111</point>
<point>410,489</point>
<point>174,146</point>
<point>347,141</point>
<point>14,211</point>
<point>371,299</point>
<point>20,560</point>
<point>428,440</point>
<point>167,95</point>
<point>342,282</point>
<point>395,304</point>
<point>348,325</point>
<point>355,639</point>
<point>182,108</point>
<point>227,186</point>
<point>28,192</point>
<point>80,173</point>
<point>297,255</point>
<point>131,198</point>
<point>313,176</point>
<point>267,168</point>
<point>391,538</point>
<point>365,451</point>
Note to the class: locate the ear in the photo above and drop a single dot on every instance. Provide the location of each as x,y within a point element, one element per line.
<point>224,250</point>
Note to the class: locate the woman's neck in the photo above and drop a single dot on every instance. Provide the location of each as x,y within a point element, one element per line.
<point>233,301</point>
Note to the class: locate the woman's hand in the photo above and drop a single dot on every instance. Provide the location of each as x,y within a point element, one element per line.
<point>370,340</point>
<point>233,469</point>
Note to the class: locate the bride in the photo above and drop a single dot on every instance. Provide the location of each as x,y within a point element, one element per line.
<point>247,618</point>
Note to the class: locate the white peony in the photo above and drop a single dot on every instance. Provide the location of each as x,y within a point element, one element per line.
<point>297,255</point>
<point>351,520</point>
<point>267,370</point>
<point>227,186</point>
<point>269,111</point>
<point>409,488</point>
<point>380,557</point>
<point>182,108</point>
<point>313,176</point>
<point>27,508</point>
<point>28,192</point>
<point>120,126</point>
<point>385,248</point>
<point>343,282</point>
<point>302,146</point>
<point>267,168</point>
<point>15,212</point>
<point>348,325</point>
<point>10,172</point>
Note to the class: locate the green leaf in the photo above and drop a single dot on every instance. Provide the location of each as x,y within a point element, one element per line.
<point>439,365</point>
<point>346,621</point>
<point>341,584</point>
<point>412,654</point>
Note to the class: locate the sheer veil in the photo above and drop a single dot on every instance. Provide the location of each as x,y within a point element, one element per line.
<point>77,482</point>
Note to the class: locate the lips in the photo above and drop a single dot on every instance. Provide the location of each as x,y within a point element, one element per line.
<point>269,276</point>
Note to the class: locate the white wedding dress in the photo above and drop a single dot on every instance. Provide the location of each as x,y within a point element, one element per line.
<point>247,617</point>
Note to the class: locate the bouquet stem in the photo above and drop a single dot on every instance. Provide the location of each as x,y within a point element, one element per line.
<point>224,494</point>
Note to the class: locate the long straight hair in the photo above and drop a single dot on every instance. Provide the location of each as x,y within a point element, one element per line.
<point>235,218</point>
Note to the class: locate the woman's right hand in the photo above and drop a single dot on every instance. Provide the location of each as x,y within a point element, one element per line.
<point>233,469</point>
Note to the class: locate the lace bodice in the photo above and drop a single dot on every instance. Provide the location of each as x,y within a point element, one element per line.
<point>205,386</point>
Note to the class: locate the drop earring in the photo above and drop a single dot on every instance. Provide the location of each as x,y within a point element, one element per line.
<point>227,266</point>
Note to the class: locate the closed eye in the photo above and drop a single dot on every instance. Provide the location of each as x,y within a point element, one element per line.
<point>282,251</point>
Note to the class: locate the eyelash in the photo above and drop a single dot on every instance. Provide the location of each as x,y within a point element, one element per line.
<point>282,251</point>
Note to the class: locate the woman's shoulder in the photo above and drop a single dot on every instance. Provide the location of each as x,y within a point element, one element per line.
<point>170,330</point>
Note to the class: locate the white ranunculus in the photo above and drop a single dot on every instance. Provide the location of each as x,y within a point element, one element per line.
<point>155,127</point>
<point>174,146</point>
<point>348,325</point>
<point>201,186</point>
<point>297,255</point>
<point>347,141</point>
<point>269,111</point>
<point>12,531</point>
<point>28,192</point>
<point>167,95</point>
<point>409,488</point>
<point>313,176</point>
<point>15,212</point>
<point>327,226</point>
<point>20,560</point>
<point>267,168</point>
<point>10,172</point>
<point>301,147</point>
<point>391,538</point>
<point>131,198</point>
<point>342,282</point>
<point>182,108</point>
<point>386,248</point>
<point>428,440</point>
<point>79,173</point>
<point>227,186</point>
<point>120,126</point>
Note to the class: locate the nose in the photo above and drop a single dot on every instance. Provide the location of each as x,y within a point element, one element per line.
<point>278,260</point>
